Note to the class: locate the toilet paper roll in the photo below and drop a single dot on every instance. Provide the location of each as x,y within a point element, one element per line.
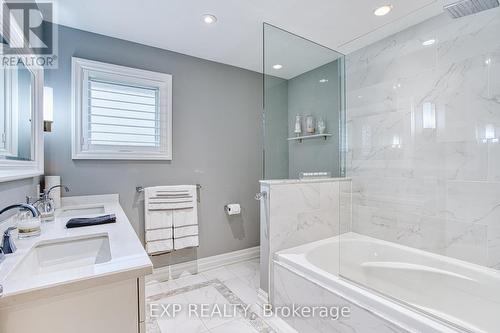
<point>55,194</point>
<point>233,209</point>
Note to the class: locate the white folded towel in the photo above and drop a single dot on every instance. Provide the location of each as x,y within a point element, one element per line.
<point>191,230</point>
<point>159,234</point>
<point>171,218</point>
<point>156,219</point>
<point>184,242</point>
<point>185,217</point>
<point>185,222</point>
<point>160,246</point>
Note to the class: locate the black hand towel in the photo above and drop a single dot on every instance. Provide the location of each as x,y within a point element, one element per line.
<point>85,222</point>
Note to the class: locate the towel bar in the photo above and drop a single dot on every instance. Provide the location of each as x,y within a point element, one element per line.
<point>140,189</point>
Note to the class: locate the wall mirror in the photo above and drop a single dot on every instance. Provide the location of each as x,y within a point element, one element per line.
<point>21,121</point>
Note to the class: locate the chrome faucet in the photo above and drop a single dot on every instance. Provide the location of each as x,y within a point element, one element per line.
<point>22,206</point>
<point>45,204</point>
<point>8,245</point>
<point>47,192</point>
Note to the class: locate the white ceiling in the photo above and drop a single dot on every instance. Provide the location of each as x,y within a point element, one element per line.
<point>236,38</point>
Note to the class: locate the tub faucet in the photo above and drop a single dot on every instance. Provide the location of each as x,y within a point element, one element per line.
<point>8,245</point>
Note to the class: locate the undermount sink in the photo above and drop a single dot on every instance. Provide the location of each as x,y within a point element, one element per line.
<point>81,210</point>
<point>63,255</point>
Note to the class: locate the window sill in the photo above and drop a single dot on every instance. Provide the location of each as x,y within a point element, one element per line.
<point>108,155</point>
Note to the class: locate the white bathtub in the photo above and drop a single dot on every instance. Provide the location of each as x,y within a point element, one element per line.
<point>427,292</point>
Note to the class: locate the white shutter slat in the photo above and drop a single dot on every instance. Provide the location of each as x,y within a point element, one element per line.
<point>122,115</point>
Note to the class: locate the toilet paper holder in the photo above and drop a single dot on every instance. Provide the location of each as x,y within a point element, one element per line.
<point>232,209</point>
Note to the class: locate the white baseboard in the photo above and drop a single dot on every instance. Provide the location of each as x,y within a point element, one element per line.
<point>205,264</point>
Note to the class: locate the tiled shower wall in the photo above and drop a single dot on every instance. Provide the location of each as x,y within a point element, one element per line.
<point>423,137</point>
<point>297,212</point>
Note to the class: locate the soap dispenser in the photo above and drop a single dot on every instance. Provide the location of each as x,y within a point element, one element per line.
<point>27,225</point>
<point>27,220</point>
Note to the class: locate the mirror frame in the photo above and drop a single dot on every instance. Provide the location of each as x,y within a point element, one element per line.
<point>16,169</point>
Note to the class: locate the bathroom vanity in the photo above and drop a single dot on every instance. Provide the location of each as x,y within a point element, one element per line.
<point>88,279</point>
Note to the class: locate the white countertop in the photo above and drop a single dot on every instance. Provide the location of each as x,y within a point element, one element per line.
<point>128,257</point>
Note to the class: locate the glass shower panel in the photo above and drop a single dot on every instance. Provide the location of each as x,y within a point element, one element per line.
<point>423,117</point>
<point>303,106</point>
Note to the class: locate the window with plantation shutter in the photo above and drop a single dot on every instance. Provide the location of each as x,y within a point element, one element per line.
<point>120,112</point>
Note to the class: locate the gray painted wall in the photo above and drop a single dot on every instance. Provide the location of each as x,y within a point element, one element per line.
<point>308,96</point>
<point>276,128</point>
<point>216,140</point>
<point>16,192</point>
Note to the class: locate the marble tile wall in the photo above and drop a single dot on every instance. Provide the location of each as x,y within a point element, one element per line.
<point>298,212</point>
<point>302,212</point>
<point>423,126</point>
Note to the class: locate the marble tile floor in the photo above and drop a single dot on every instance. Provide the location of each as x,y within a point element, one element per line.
<point>232,288</point>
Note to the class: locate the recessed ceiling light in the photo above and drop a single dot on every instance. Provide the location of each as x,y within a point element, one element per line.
<point>209,19</point>
<point>277,66</point>
<point>323,81</point>
<point>429,42</point>
<point>383,10</point>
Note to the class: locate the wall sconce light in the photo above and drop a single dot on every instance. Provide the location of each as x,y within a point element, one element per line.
<point>429,115</point>
<point>396,141</point>
<point>48,108</point>
<point>489,134</point>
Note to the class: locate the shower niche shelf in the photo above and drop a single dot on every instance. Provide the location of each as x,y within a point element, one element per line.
<point>312,136</point>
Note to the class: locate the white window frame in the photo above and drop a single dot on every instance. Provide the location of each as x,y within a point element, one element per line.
<point>81,70</point>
